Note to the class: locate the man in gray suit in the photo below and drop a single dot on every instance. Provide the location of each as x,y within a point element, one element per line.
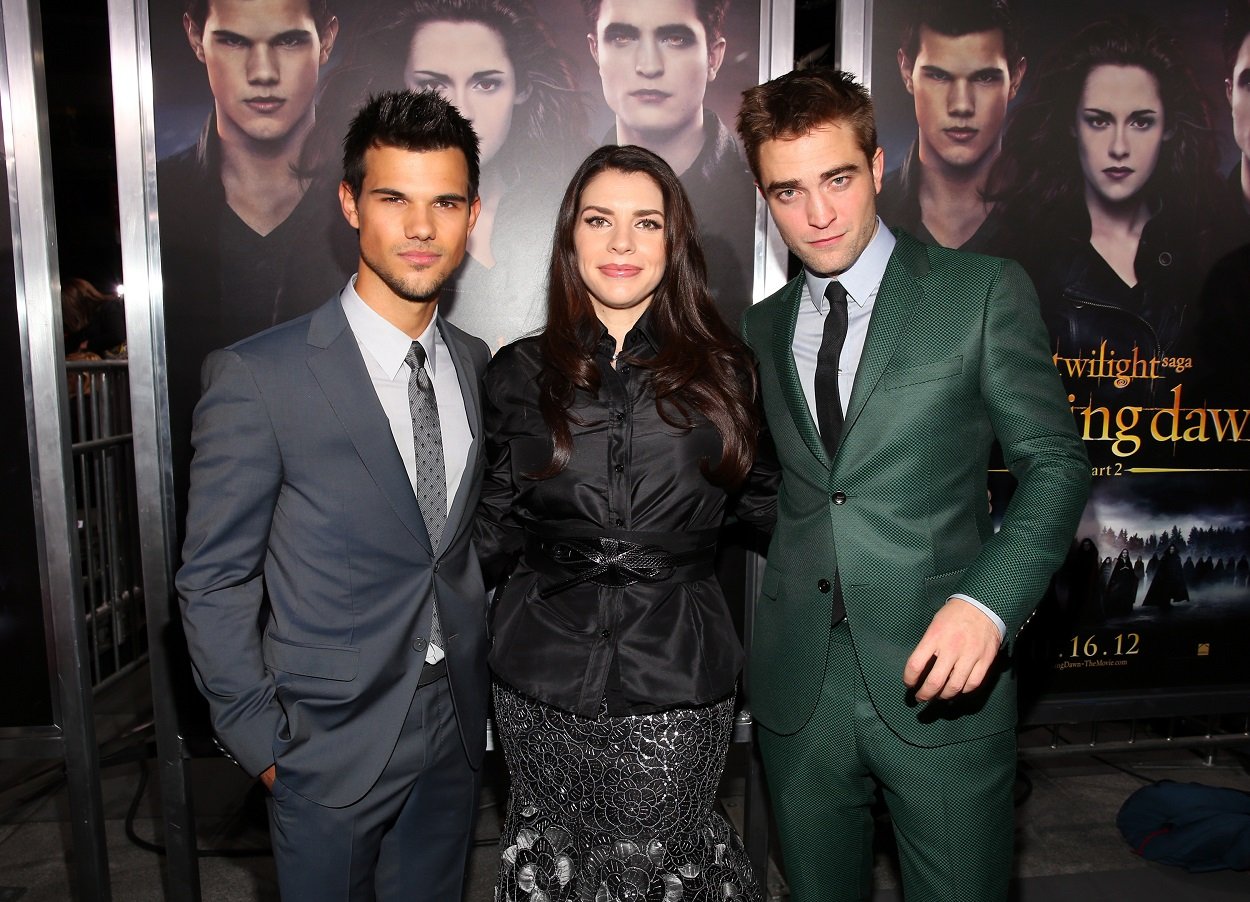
<point>337,466</point>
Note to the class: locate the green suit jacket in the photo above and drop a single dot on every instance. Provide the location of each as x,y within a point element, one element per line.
<point>956,356</point>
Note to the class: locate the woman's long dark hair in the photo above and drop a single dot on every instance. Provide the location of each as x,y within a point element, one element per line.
<point>700,365</point>
<point>1039,168</point>
<point>550,121</point>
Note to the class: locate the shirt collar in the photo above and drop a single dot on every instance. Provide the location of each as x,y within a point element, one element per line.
<point>387,343</point>
<point>641,335</point>
<point>864,277</point>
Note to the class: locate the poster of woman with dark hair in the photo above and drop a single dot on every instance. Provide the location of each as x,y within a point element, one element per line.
<point>1100,144</point>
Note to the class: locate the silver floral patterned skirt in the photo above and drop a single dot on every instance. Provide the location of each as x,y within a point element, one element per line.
<point>611,809</point>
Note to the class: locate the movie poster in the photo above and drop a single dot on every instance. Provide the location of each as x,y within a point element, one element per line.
<point>252,101</point>
<point>1104,146</point>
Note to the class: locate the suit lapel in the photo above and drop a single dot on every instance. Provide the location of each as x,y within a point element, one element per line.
<point>470,391</point>
<point>788,373</point>
<point>899,296</point>
<point>335,361</point>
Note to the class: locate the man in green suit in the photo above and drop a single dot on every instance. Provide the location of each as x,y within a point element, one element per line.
<point>889,605</point>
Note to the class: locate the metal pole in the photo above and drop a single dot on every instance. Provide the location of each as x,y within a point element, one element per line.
<point>131,55</point>
<point>37,282</point>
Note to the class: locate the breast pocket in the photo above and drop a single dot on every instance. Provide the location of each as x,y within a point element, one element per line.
<point>925,372</point>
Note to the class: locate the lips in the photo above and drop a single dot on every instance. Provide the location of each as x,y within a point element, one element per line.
<point>961,134</point>
<point>619,270</point>
<point>1118,172</point>
<point>828,241</point>
<point>265,104</point>
<point>420,258</point>
<point>650,96</point>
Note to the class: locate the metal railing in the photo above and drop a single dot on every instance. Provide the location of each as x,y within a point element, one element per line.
<point>107,517</point>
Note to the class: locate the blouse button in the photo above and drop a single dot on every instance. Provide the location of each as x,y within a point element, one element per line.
<point>605,634</point>
<point>620,522</point>
<point>824,585</point>
<point>620,468</point>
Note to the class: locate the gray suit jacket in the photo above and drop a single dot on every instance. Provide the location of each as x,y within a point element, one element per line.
<point>299,495</point>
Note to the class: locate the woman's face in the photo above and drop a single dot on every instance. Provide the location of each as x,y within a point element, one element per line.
<point>468,64</point>
<point>1119,131</point>
<point>619,240</point>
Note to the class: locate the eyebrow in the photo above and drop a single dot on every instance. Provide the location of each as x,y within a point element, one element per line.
<point>675,31</point>
<point>938,70</point>
<point>1109,115</point>
<point>836,171</point>
<point>395,192</point>
<point>302,34</point>
<point>432,73</point>
<point>615,30</point>
<point>610,211</point>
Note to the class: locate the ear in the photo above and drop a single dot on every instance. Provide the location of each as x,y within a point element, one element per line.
<point>905,67</point>
<point>327,36</point>
<point>594,47</point>
<point>1017,77</point>
<point>715,56</point>
<point>347,201</point>
<point>474,209</point>
<point>878,169</point>
<point>522,96</point>
<point>1228,90</point>
<point>195,36</point>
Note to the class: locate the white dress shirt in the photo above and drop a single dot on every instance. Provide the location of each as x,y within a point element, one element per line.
<point>384,347</point>
<point>862,282</point>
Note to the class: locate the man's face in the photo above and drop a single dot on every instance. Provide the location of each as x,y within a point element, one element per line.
<point>262,58</point>
<point>414,218</point>
<point>961,87</point>
<point>822,192</point>
<point>655,62</point>
<point>1237,89</point>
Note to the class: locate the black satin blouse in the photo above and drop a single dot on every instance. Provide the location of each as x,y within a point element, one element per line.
<point>644,647</point>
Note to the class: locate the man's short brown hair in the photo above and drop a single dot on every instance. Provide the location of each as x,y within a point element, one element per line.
<point>794,104</point>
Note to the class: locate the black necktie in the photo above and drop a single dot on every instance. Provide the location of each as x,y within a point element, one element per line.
<point>829,400</point>
<point>431,475</point>
<point>828,397</point>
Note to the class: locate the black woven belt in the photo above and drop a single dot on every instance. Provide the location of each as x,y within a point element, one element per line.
<point>620,559</point>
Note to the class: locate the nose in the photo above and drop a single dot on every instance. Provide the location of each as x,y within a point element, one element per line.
<point>1119,148</point>
<point>462,99</point>
<point>262,67</point>
<point>621,241</point>
<point>959,100</point>
<point>820,211</point>
<point>649,60</point>
<point>418,223</point>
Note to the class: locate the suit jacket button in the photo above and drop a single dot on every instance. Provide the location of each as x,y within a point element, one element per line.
<point>824,586</point>
<point>838,498</point>
<point>418,644</point>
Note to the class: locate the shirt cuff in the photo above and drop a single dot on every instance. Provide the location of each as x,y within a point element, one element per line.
<point>997,621</point>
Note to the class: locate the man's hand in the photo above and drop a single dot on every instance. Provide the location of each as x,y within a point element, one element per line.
<point>961,643</point>
<point>267,776</point>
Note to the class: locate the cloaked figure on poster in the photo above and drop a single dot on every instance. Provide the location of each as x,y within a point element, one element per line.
<point>1121,587</point>
<point>1112,158</point>
<point>1168,586</point>
<point>1078,586</point>
<point>497,63</point>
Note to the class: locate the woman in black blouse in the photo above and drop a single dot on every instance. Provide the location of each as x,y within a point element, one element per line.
<point>619,440</point>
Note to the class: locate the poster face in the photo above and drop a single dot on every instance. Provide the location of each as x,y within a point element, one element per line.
<point>1104,146</point>
<point>252,100</point>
